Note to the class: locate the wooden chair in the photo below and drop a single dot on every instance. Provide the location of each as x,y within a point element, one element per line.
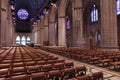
<point>46,68</point>
<point>68,65</point>
<point>20,77</point>
<point>20,64</point>
<point>68,73</point>
<point>41,62</point>
<point>55,75</point>
<point>30,63</point>
<point>4,73</point>
<point>58,66</point>
<point>3,66</point>
<point>80,71</point>
<point>97,76</point>
<point>86,77</point>
<point>18,71</point>
<point>39,76</point>
<point>33,69</point>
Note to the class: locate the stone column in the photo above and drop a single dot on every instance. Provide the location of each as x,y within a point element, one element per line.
<point>108,24</point>
<point>42,31</point>
<point>35,34</point>
<point>52,34</point>
<point>46,34</point>
<point>0,24</point>
<point>78,36</point>
<point>45,26</point>
<point>7,29</point>
<point>39,32</point>
<point>61,31</point>
<point>38,38</point>
<point>41,35</point>
<point>3,21</point>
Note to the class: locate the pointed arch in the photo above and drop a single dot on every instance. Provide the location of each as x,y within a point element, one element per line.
<point>18,40</point>
<point>62,7</point>
<point>28,39</point>
<point>53,13</point>
<point>94,13</point>
<point>46,19</point>
<point>23,40</point>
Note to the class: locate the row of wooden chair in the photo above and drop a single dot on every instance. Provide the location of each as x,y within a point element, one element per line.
<point>94,76</point>
<point>66,73</point>
<point>56,75</point>
<point>24,63</point>
<point>99,57</point>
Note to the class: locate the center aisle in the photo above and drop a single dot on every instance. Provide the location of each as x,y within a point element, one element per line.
<point>108,75</point>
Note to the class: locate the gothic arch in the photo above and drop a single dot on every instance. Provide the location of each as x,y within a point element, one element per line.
<point>68,22</point>
<point>20,35</point>
<point>46,19</point>
<point>61,22</point>
<point>18,39</point>
<point>53,13</point>
<point>88,25</point>
<point>62,8</point>
<point>53,20</point>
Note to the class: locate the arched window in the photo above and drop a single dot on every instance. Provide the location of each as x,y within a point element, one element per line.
<point>68,23</point>
<point>94,14</point>
<point>118,7</point>
<point>28,40</point>
<point>23,40</point>
<point>18,40</point>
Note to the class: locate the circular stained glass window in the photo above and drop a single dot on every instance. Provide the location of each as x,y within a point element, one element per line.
<point>22,14</point>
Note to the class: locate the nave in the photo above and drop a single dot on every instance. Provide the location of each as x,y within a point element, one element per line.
<point>76,39</point>
<point>26,63</point>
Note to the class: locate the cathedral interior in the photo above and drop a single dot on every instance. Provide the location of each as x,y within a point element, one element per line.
<point>59,39</point>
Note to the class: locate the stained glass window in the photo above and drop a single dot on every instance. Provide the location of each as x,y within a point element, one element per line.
<point>118,7</point>
<point>18,40</point>
<point>22,14</point>
<point>28,40</point>
<point>94,14</point>
<point>23,40</point>
<point>68,24</point>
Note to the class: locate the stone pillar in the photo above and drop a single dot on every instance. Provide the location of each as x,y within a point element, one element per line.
<point>3,21</point>
<point>45,26</point>
<point>61,31</point>
<point>35,34</point>
<point>39,31</point>
<point>0,24</point>
<point>38,34</point>
<point>52,34</point>
<point>6,25</point>
<point>46,35</point>
<point>41,35</point>
<point>42,31</point>
<point>78,36</point>
<point>108,24</point>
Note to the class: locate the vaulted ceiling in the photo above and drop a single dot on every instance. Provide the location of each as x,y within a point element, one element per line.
<point>26,12</point>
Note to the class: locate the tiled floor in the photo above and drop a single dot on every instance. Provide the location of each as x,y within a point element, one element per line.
<point>108,75</point>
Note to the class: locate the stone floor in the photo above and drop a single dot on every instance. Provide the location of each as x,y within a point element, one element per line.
<point>108,74</point>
